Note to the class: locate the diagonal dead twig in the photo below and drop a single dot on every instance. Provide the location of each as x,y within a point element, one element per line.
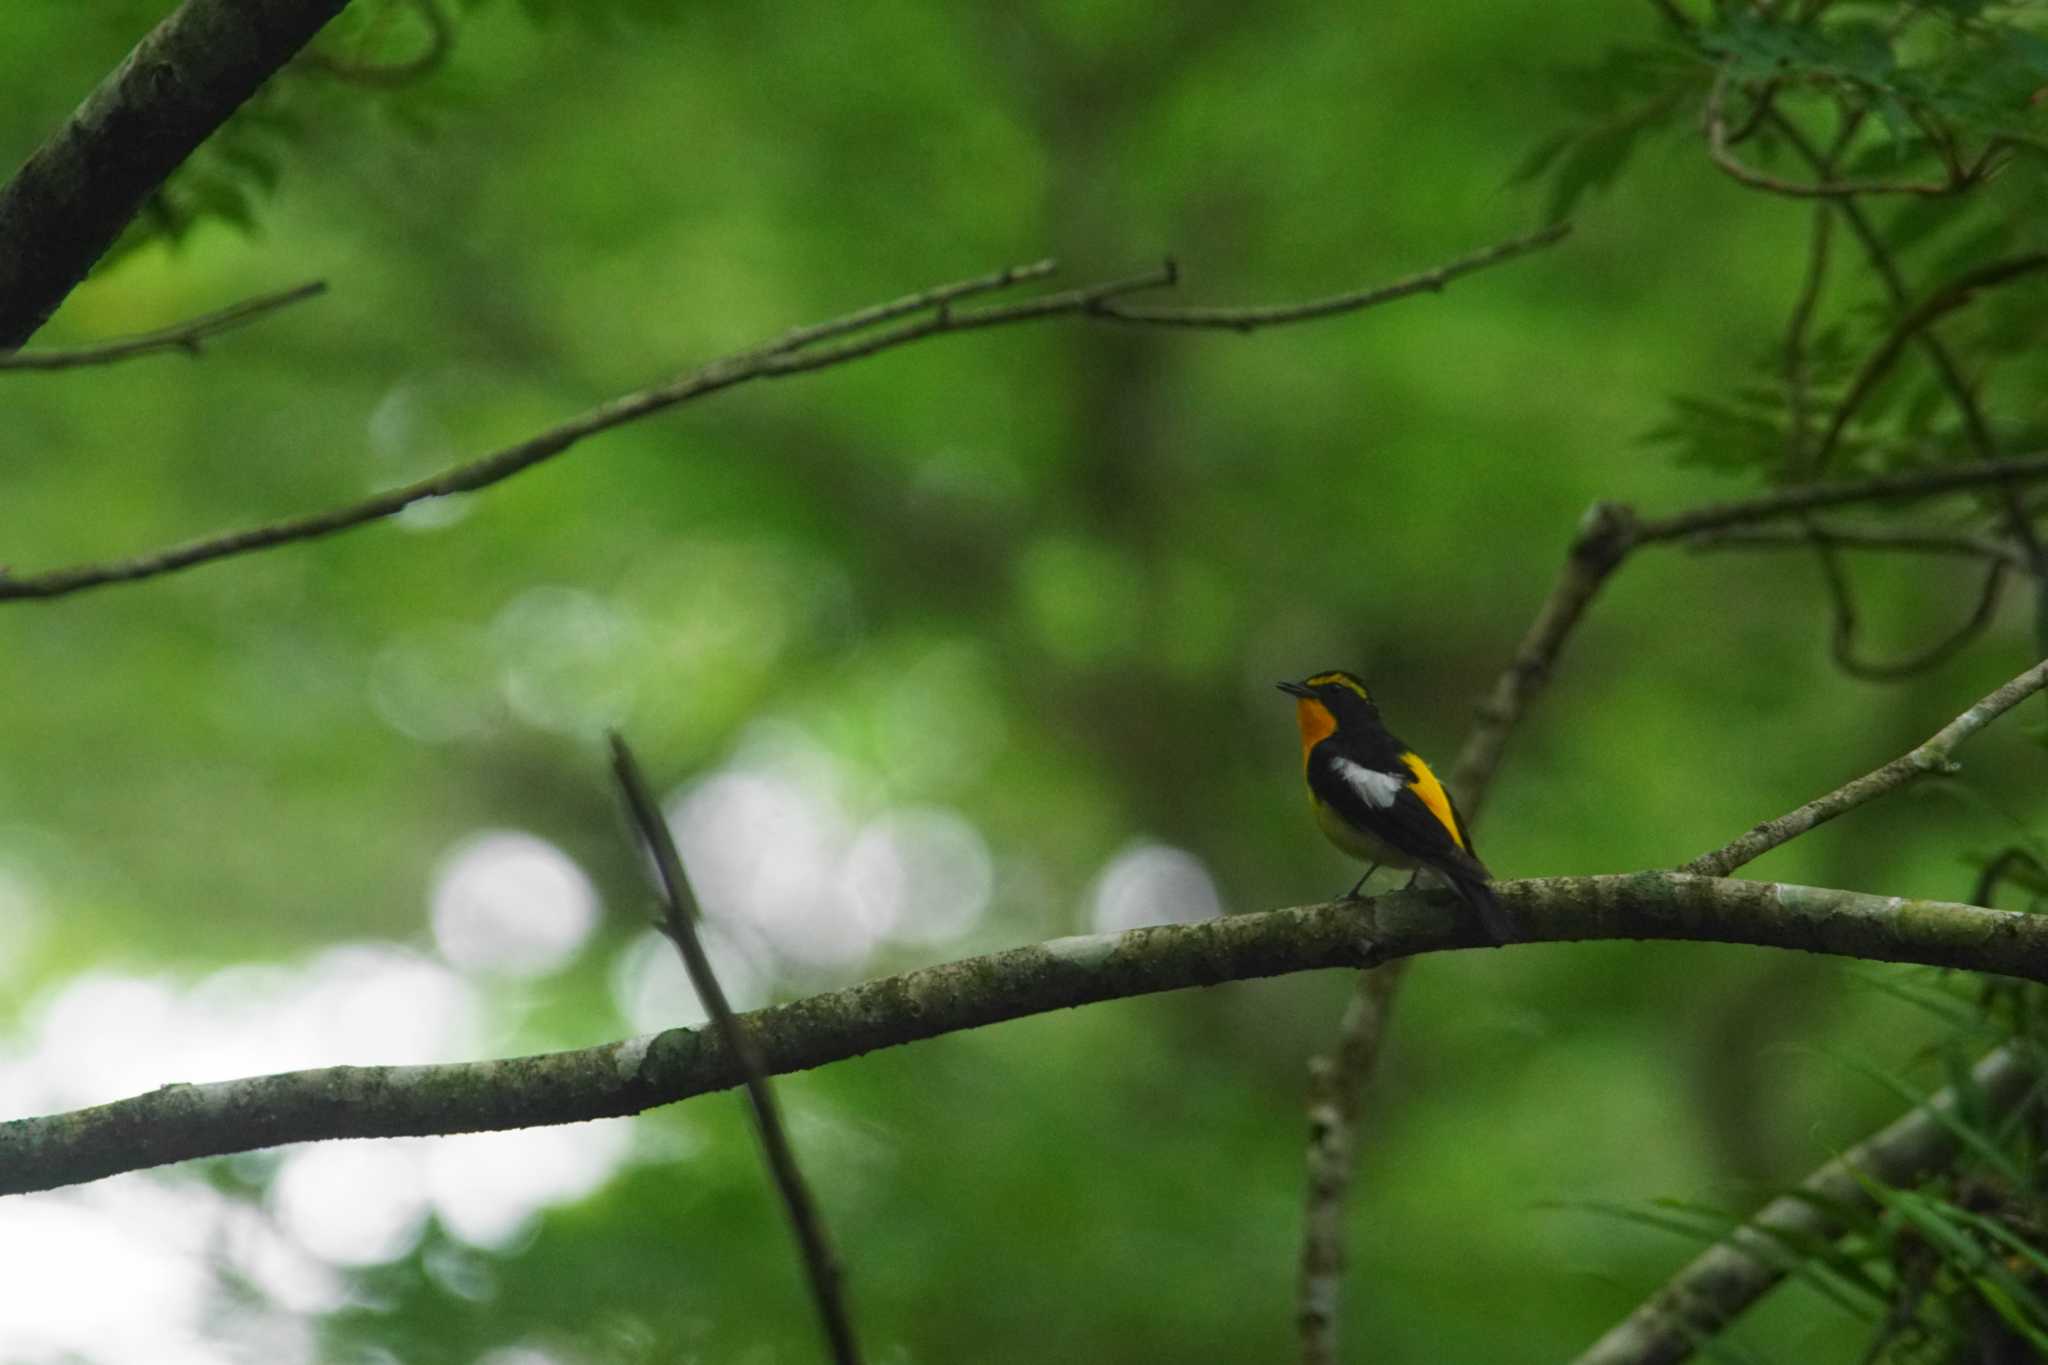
<point>679,909</point>
<point>1936,755</point>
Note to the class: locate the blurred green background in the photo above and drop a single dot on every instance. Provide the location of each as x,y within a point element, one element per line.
<point>964,646</point>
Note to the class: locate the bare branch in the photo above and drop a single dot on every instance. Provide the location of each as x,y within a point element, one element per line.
<point>797,352</point>
<point>182,1122</point>
<point>1934,756</point>
<point>76,192</point>
<point>679,908</point>
<point>184,336</point>
<point>1430,281</point>
<point>1709,1293</point>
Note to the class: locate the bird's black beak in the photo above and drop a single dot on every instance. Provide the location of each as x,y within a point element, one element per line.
<point>1295,688</point>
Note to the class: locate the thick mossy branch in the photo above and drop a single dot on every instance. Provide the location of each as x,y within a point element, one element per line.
<point>76,192</point>
<point>180,1122</point>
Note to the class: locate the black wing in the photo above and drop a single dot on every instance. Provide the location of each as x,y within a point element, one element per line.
<point>1406,822</point>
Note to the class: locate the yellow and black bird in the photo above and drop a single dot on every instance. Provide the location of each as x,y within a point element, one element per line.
<point>1378,801</point>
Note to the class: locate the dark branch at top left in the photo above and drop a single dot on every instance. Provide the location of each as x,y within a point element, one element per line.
<point>77,191</point>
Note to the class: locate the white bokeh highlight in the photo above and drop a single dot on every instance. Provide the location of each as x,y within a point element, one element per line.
<point>919,875</point>
<point>154,1244</point>
<point>352,1203</point>
<point>778,856</point>
<point>1152,884</point>
<point>511,904</point>
<point>652,991</point>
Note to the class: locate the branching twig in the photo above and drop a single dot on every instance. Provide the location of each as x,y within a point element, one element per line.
<point>1934,756</point>
<point>1251,319</point>
<point>184,336</point>
<point>679,909</point>
<point>1717,147</point>
<point>76,192</point>
<point>1945,366</point>
<point>1707,1295</point>
<point>182,1122</point>
<point>796,352</point>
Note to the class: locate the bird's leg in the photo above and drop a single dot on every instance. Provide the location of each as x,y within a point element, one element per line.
<point>1352,894</point>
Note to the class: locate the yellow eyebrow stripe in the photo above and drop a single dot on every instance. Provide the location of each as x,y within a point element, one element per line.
<point>1342,680</point>
<point>1433,795</point>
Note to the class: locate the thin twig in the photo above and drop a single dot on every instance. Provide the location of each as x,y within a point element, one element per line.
<point>184,1122</point>
<point>1716,128</point>
<point>796,352</point>
<point>1886,539</point>
<point>1788,502</point>
<point>1934,756</point>
<point>936,297</point>
<point>679,908</point>
<point>775,360</point>
<point>1797,386</point>
<point>1251,319</point>
<point>1842,637</point>
<point>185,336</point>
<point>1721,1282</point>
<point>1910,325</point>
<point>2001,868</point>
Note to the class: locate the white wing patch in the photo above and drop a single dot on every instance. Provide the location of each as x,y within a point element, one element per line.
<point>1378,789</point>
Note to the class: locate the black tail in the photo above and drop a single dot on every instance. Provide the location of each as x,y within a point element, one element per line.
<point>1476,893</point>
